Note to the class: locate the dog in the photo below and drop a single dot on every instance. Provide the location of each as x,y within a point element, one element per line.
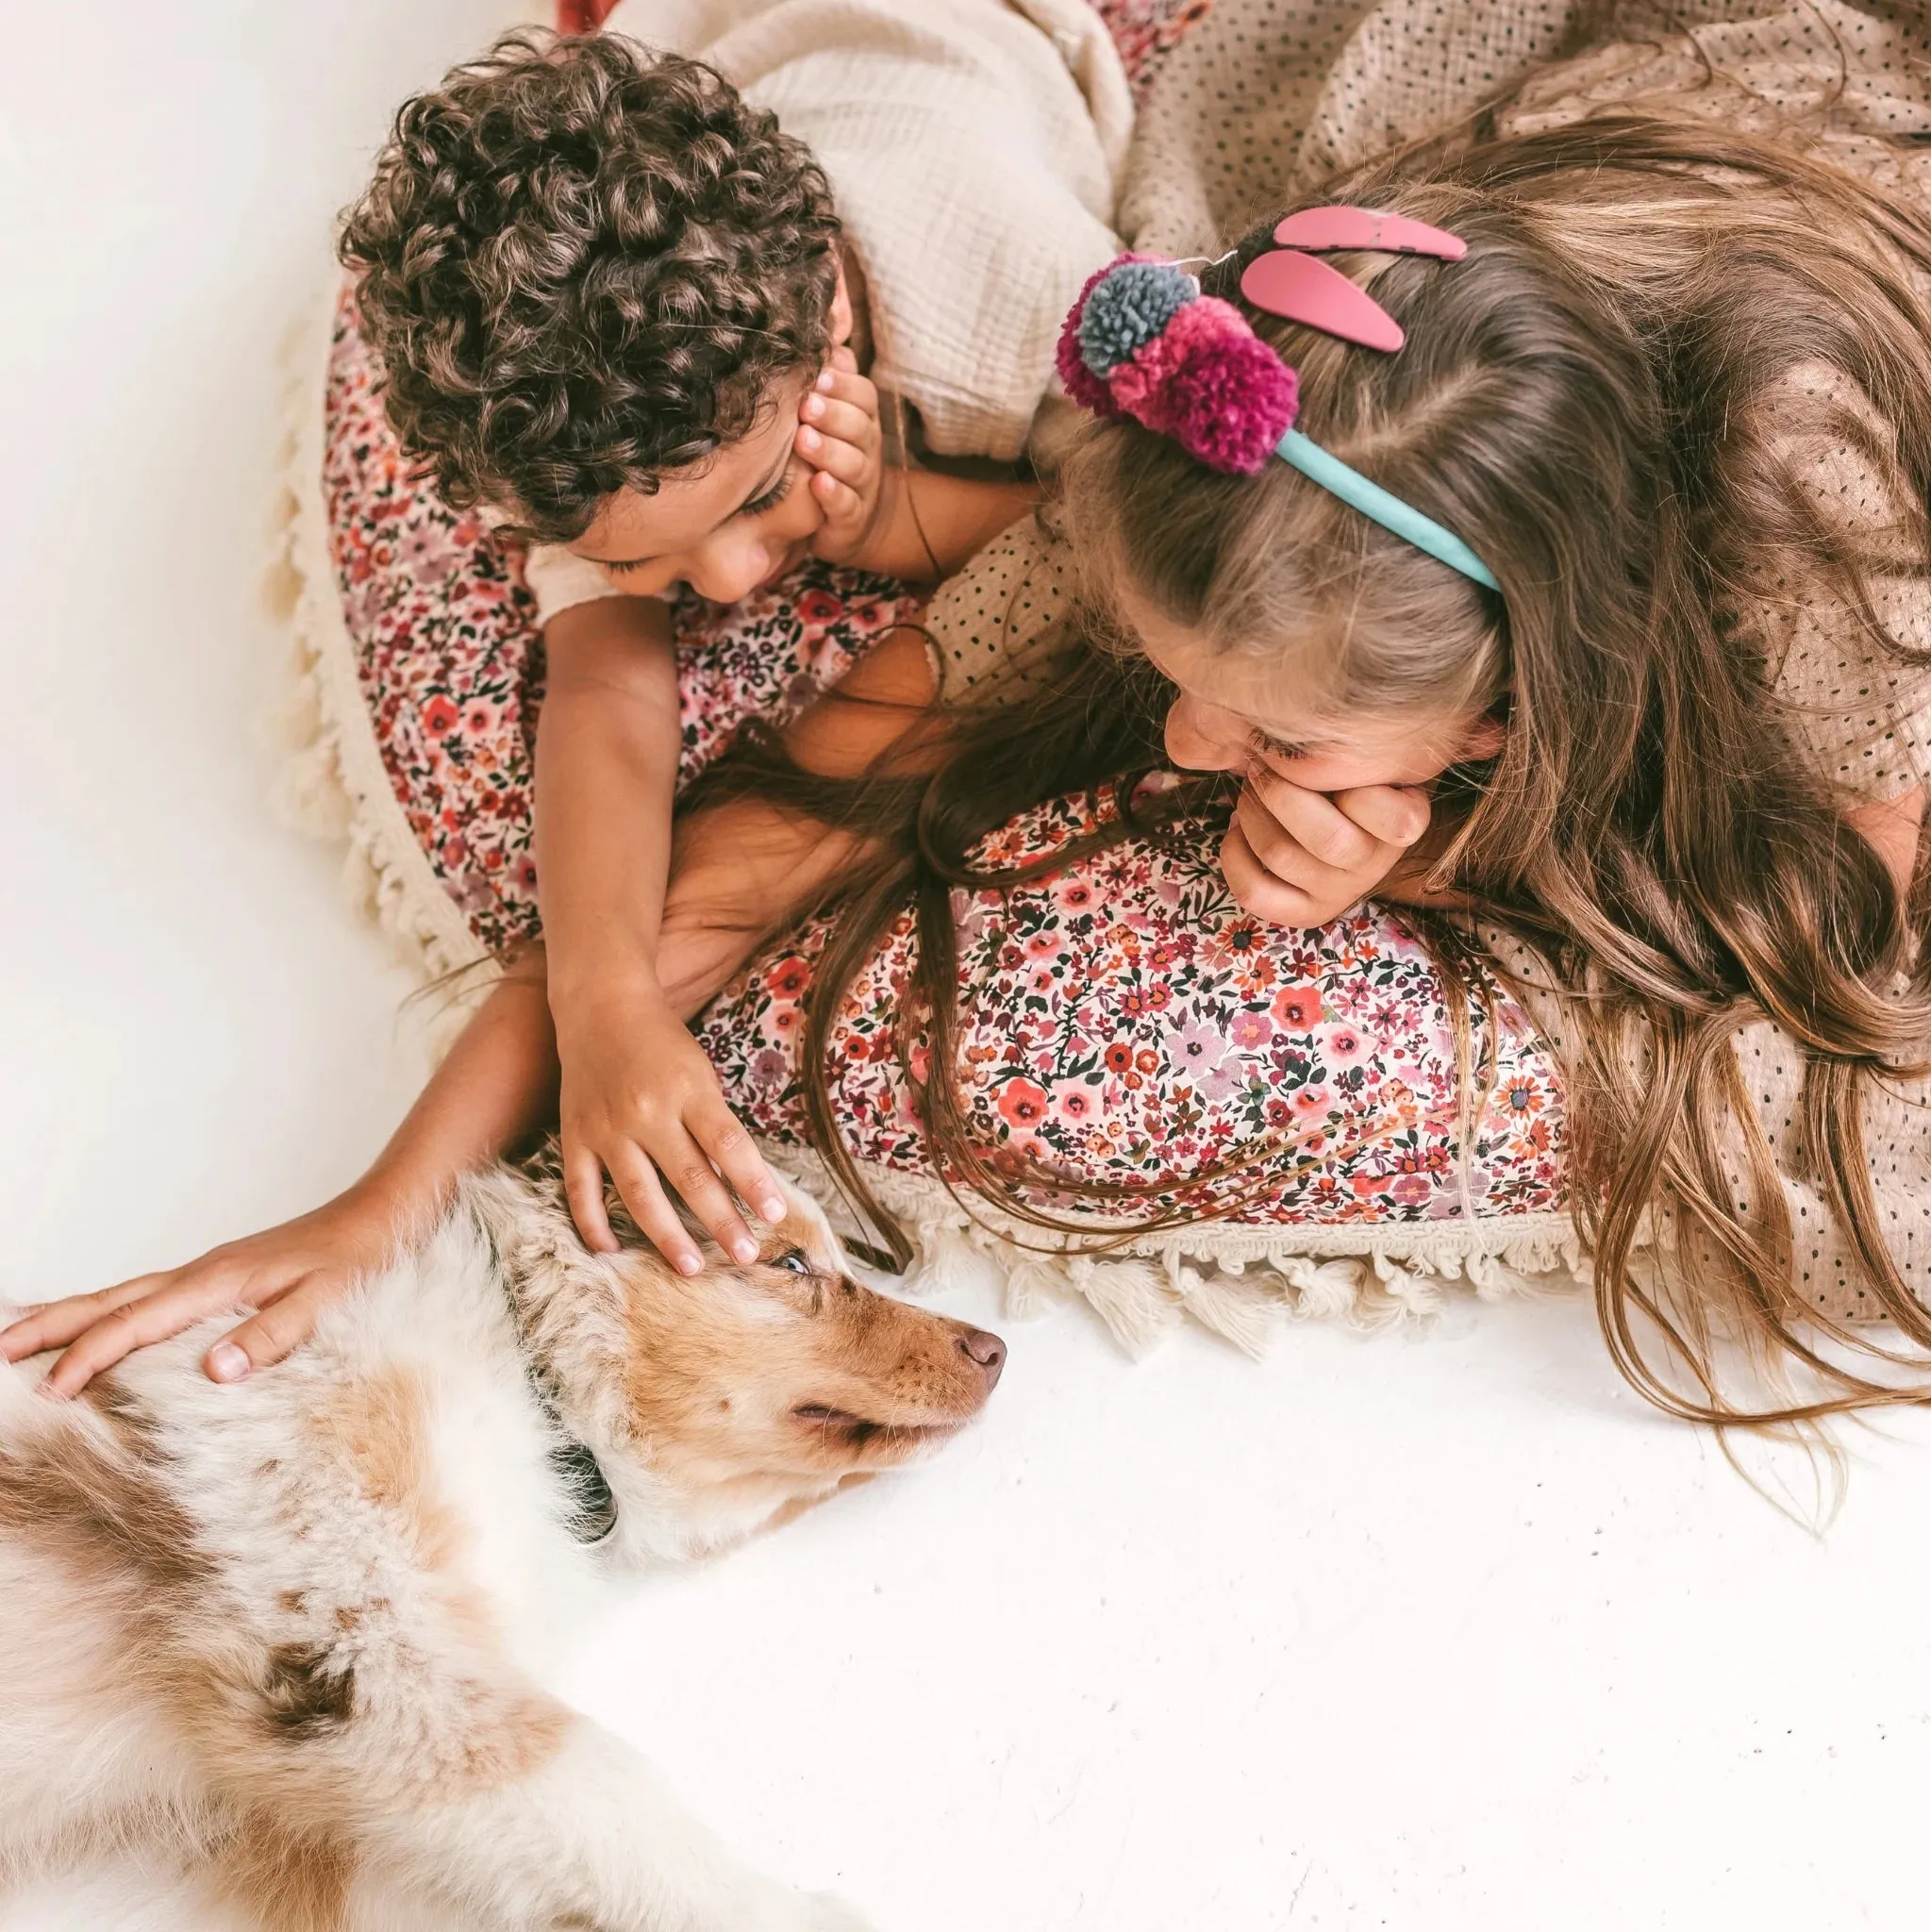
<point>299,1626</point>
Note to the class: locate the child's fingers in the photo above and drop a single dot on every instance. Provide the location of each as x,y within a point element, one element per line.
<point>583,1184</point>
<point>148,1318</point>
<point>54,1325</point>
<point>1260,893</point>
<point>1282,854</point>
<point>842,360</point>
<point>657,1220</point>
<point>735,1154</point>
<point>1395,815</point>
<point>1315,823</point>
<point>837,422</point>
<point>689,1170</point>
<point>829,457</point>
<point>841,503</point>
<point>267,1336</point>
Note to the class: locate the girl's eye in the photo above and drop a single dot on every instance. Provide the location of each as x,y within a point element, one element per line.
<point>772,497</point>
<point>1278,748</point>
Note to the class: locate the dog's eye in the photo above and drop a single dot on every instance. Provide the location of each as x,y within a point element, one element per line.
<point>796,1259</point>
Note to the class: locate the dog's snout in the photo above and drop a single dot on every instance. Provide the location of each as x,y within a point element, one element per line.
<point>987,1350</point>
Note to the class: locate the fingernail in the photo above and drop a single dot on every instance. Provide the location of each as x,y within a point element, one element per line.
<point>808,439</point>
<point>687,1263</point>
<point>228,1363</point>
<point>814,408</point>
<point>746,1250</point>
<point>772,1208</point>
<point>824,379</point>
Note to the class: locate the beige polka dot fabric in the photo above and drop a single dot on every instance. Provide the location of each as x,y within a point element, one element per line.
<point>1265,98</point>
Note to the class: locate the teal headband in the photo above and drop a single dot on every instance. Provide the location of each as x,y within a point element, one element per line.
<point>1388,510</point>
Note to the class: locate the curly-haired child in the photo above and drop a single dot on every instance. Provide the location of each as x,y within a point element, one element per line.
<point>614,307</point>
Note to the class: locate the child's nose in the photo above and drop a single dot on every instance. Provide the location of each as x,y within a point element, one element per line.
<point>1204,738</point>
<point>726,570</point>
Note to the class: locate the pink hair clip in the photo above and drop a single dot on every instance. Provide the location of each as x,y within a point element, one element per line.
<point>1301,288</point>
<point>1290,281</point>
<point>1321,229</point>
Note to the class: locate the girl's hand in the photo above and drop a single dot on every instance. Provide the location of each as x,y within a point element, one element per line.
<point>839,438</point>
<point>1300,858</point>
<point>288,1275</point>
<point>641,1102</point>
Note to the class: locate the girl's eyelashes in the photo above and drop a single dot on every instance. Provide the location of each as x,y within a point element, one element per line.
<point>1266,746</point>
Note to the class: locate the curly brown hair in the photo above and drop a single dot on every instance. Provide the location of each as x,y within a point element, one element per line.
<point>583,264</point>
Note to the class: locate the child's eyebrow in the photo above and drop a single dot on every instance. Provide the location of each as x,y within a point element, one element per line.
<point>764,489</point>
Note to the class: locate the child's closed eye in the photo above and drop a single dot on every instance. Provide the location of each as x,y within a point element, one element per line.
<point>1265,745</point>
<point>758,506</point>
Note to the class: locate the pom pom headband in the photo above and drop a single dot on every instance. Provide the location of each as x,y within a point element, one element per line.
<point>1142,340</point>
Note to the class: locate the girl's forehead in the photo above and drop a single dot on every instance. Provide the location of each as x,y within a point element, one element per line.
<point>1282,700</point>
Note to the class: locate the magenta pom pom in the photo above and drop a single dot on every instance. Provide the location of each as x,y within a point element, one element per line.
<point>1085,389</point>
<point>1205,379</point>
<point>1230,402</point>
<point>1081,384</point>
<point>1138,385</point>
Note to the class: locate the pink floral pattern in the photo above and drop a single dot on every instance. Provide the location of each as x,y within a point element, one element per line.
<point>1122,1021</point>
<point>1147,31</point>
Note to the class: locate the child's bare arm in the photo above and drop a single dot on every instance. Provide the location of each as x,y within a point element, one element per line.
<point>496,1086</point>
<point>639,1099</point>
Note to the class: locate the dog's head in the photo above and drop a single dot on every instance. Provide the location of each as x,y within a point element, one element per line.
<point>742,1389</point>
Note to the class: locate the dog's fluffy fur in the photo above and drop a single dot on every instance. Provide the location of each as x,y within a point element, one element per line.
<point>301,1624</point>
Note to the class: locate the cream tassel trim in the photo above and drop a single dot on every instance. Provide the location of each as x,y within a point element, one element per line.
<point>1244,1283</point>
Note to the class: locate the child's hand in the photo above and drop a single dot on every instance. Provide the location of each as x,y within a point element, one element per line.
<point>289,1274</point>
<point>1298,858</point>
<point>839,438</point>
<point>641,1101</point>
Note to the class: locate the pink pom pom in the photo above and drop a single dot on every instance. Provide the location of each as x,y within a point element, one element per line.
<point>1138,385</point>
<point>1230,404</point>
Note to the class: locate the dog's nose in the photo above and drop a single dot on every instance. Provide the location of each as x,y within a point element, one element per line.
<point>987,1350</point>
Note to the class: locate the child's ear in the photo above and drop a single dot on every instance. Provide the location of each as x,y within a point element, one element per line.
<point>840,312</point>
<point>1485,739</point>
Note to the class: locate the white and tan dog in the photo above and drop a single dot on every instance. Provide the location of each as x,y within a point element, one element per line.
<point>300,1626</point>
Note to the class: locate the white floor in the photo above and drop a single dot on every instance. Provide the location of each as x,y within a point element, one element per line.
<point>1431,1632</point>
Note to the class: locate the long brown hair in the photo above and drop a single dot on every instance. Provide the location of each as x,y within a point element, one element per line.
<point>1603,400</point>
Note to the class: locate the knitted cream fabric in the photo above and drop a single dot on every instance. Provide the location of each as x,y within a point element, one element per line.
<point>972,148</point>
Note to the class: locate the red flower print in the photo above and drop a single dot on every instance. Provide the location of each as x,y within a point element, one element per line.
<point>439,717</point>
<point>788,978</point>
<point>819,607</point>
<point>1119,1056</point>
<point>1023,1104</point>
<point>1298,1008</point>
